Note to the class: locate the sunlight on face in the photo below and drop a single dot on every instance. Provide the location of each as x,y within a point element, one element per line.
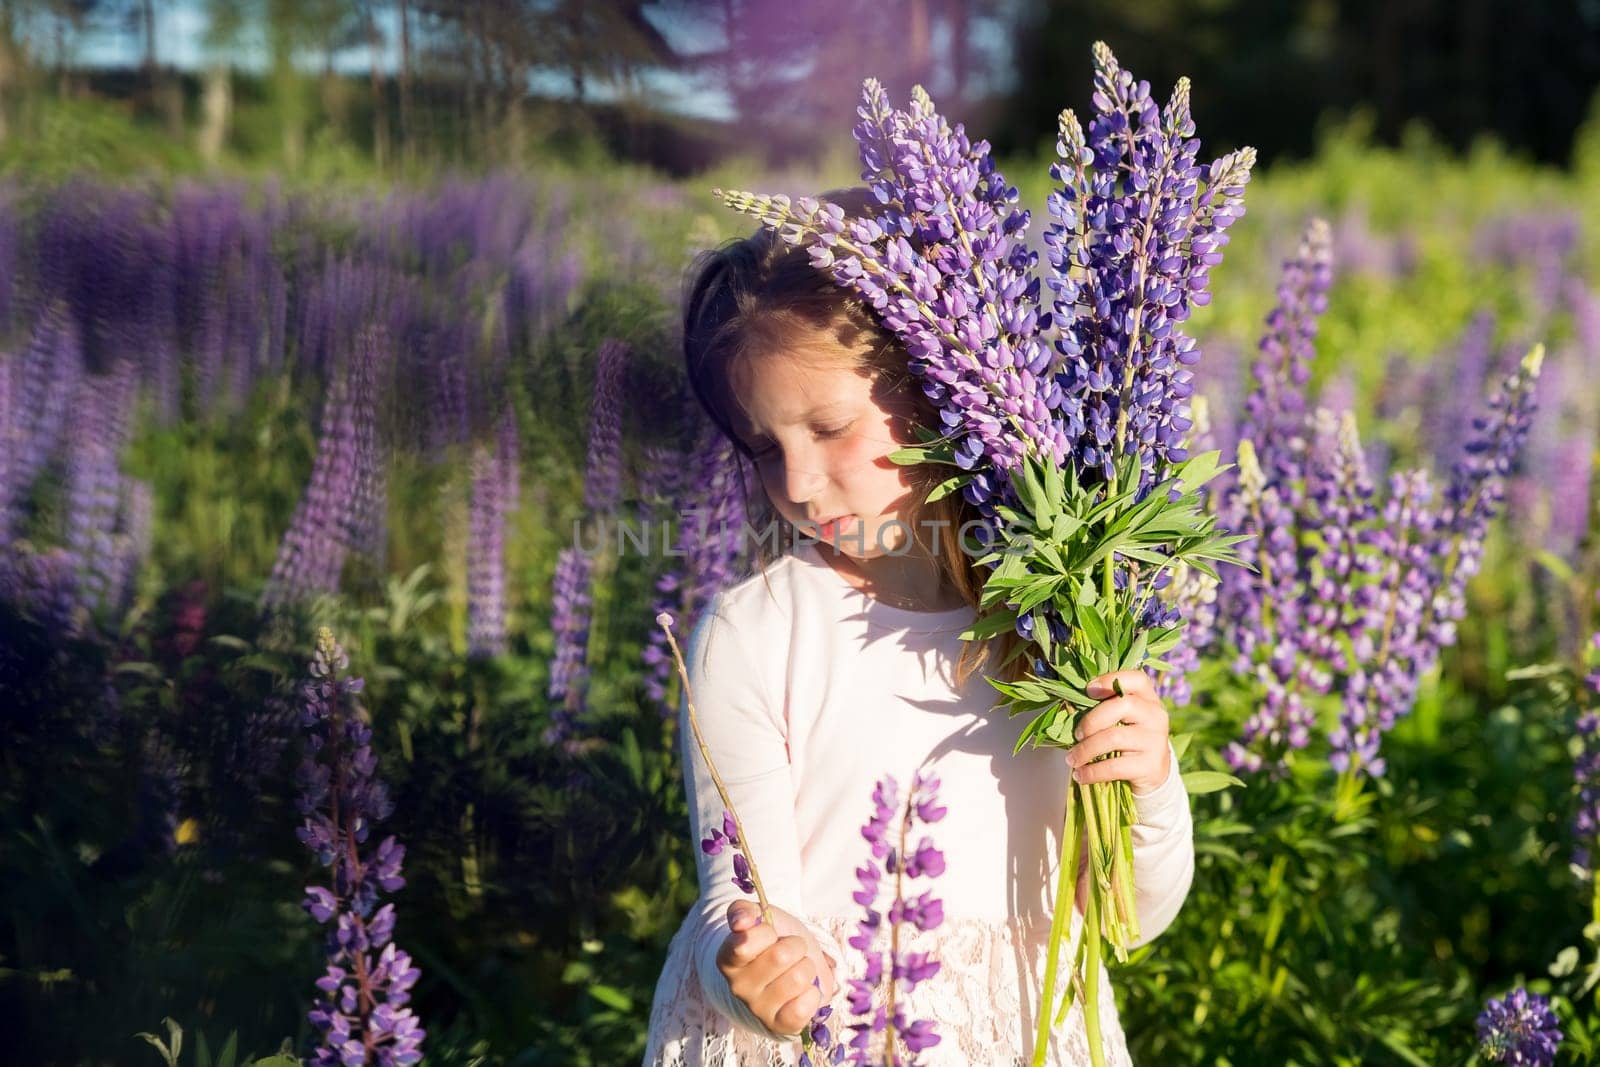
<point>821,433</point>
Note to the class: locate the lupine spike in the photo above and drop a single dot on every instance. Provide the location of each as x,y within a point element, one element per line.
<point>368,981</point>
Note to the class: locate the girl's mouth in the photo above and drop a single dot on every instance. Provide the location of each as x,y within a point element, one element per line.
<point>830,529</point>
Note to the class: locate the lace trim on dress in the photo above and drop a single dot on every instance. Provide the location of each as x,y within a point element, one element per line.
<point>982,1002</point>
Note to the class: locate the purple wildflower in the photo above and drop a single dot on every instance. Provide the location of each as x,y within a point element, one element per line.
<point>344,477</point>
<point>369,496</point>
<point>570,621</point>
<point>94,480</point>
<point>1132,248</point>
<point>897,972</point>
<point>1520,1028</point>
<point>43,386</point>
<point>1477,486</point>
<point>711,519</point>
<point>602,483</point>
<point>362,1014</point>
<point>494,497</point>
<point>1275,410</point>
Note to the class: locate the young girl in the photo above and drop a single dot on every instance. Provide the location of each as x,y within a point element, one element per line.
<point>842,663</point>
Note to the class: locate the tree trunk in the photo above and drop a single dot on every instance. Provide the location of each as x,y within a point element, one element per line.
<point>380,104</point>
<point>216,102</point>
<point>147,15</point>
<point>408,119</point>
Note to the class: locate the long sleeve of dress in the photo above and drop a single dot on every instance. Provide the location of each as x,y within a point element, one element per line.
<point>744,731</point>
<point>1163,854</point>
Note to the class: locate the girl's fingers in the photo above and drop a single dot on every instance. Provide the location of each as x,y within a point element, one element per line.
<point>1119,768</point>
<point>1125,739</point>
<point>749,937</point>
<point>1134,683</point>
<point>1128,709</point>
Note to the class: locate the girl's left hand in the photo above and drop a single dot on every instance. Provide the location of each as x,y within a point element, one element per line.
<point>1134,725</point>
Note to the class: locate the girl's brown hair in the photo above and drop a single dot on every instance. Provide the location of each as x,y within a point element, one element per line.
<point>743,299</point>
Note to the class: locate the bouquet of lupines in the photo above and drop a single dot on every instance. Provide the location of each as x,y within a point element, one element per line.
<point>1065,419</point>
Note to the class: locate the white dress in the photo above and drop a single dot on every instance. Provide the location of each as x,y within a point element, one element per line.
<point>808,691</point>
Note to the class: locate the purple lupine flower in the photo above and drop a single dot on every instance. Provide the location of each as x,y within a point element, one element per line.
<point>728,836</point>
<point>711,518</point>
<point>1447,410</point>
<point>43,386</point>
<point>661,484</point>
<point>1477,485</point>
<point>312,554</point>
<point>44,585</point>
<point>602,483</point>
<point>486,632</point>
<point>569,619</point>
<point>495,487</point>
<point>132,541</point>
<point>1358,250</point>
<point>875,997</point>
<point>94,479</point>
<point>1275,410</point>
<point>362,1014</point>
<point>1519,1028</point>
<point>574,569</point>
<point>368,518</point>
<point>1193,594</point>
<point>1339,505</point>
<point>1543,241</point>
<point>1130,252</point>
<point>449,402</point>
<point>1394,647</point>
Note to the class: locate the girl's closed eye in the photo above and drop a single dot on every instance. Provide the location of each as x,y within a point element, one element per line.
<point>765,449</point>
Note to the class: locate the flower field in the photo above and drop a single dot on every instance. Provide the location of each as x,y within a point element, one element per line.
<point>335,523</point>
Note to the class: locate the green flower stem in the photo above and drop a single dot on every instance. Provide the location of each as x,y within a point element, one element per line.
<point>1066,893</point>
<point>1091,983</point>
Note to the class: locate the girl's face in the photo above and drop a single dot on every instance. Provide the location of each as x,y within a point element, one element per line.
<point>821,435</point>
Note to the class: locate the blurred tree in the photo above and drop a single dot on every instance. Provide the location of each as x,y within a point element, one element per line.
<point>497,47</point>
<point>225,22</point>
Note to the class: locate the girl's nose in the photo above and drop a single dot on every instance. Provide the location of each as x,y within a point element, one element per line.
<point>801,484</point>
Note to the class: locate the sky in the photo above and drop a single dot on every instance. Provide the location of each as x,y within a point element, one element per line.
<point>180,34</point>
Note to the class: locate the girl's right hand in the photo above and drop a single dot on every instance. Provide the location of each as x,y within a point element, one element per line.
<point>770,968</point>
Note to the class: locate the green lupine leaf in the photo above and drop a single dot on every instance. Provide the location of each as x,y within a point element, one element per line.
<point>990,625</point>
<point>948,486</point>
<point>1054,484</point>
<point>1135,656</point>
<point>1093,625</point>
<point>1029,492</point>
<point>1201,782</point>
<point>1198,470</point>
<point>1041,591</point>
<point>1180,742</point>
<point>1029,733</point>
